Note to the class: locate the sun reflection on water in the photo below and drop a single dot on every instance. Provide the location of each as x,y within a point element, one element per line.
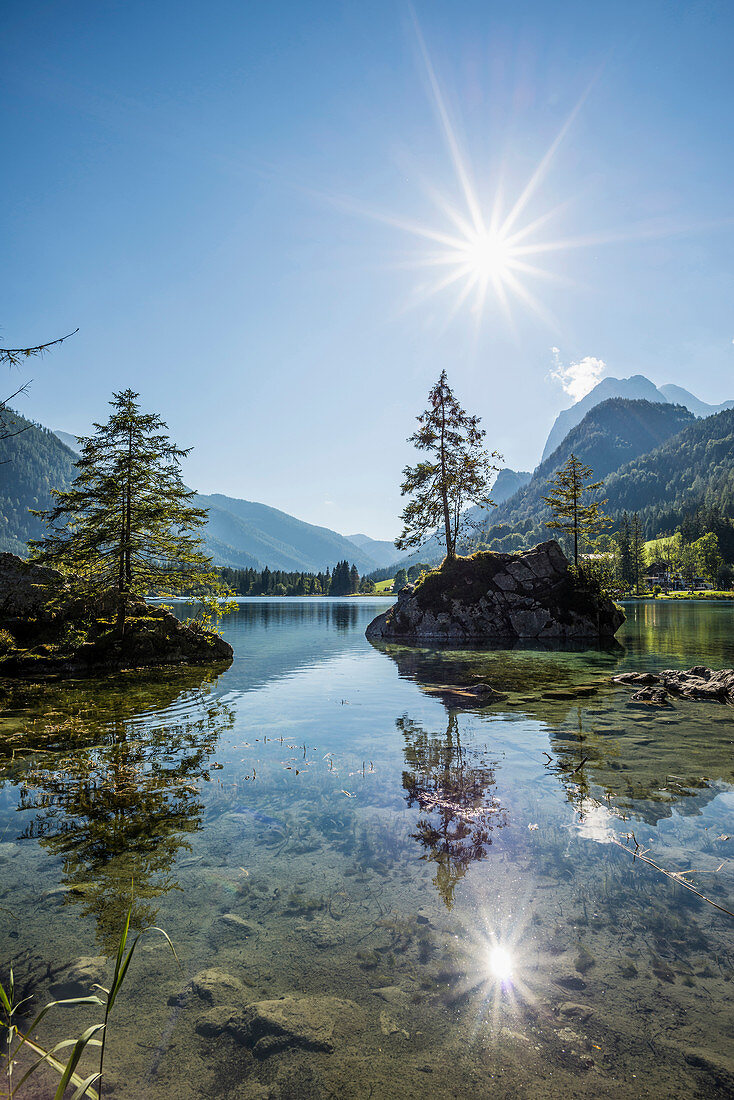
<point>500,964</point>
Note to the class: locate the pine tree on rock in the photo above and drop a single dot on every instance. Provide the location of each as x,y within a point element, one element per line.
<point>128,524</point>
<point>568,500</point>
<point>455,474</point>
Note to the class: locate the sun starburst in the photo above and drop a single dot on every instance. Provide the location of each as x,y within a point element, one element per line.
<point>485,252</point>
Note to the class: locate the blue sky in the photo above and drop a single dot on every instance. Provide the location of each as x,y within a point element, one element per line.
<point>219,195</point>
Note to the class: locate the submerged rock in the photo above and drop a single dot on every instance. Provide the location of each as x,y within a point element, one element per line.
<point>532,595</point>
<point>79,978</point>
<point>215,986</point>
<point>296,1020</point>
<point>698,682</point>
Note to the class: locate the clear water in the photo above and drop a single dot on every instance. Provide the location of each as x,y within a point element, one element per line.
<point>320,821</point>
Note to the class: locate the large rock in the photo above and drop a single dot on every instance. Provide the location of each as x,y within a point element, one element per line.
<point>56,631</point>
<point>501,597</point>
<point>25,588</point>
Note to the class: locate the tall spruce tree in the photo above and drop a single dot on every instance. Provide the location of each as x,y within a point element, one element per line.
<point>128,524</point>
<point>623,554</point>
<point>575,514</point>
<point>637,552</point>
<point>455,474</point>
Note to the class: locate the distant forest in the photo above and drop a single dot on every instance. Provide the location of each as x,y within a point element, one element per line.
<point>343,581</point>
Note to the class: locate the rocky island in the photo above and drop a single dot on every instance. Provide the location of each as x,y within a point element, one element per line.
<point>534,595</point>
<point>47,628</point>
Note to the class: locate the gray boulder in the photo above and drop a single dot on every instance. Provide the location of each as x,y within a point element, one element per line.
<point>698,682</point>
<point>534,595</point>
<point>25,588</point>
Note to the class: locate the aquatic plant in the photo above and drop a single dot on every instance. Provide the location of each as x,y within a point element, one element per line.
<point>68,1072</point>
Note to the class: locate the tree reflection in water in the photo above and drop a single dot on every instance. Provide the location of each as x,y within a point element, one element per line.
<point>456,797</point>
<point>117,794</point>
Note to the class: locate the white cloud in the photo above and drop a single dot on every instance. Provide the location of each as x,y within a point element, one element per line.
<point>578,378</point>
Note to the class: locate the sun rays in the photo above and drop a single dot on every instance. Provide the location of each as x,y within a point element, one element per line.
<point>485,252</point>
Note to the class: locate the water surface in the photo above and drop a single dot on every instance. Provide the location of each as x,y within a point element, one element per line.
<point>454,896</point>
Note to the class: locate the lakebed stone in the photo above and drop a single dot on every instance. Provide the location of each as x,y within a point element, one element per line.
<point>698,682</point>
<point>80,977</point>
<point>215,986</point>
<point>310,1022</point>
<point>535,595</point>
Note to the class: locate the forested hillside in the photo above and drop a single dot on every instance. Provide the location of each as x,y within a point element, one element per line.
<point>693,470</point>
<point>240,533</point>
<point>31,464</point>
<point>239,530</point>
<point>609,436</point>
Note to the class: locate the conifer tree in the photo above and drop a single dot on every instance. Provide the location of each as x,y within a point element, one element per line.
<point>623,540</point>
<point>354,579</point>
<point>128,524</point>
<point>574,513</point>
<point>400,581</point>
<point>455,474</point>
<point>637,552</point>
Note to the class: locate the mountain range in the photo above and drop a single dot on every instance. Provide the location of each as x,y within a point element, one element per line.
<point>239,533</point>
<point>636,388</point>
<point>659,450</point>
<point>610,435</point>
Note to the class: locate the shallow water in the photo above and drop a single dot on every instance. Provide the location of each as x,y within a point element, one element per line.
<point>452,901</point>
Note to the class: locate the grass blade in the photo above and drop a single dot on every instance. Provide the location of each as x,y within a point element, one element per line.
<point>93,999</point>
<point>74,1057</point>
<point>82,1090</point>
<point>49,1056</point>
<point>58,1066</point>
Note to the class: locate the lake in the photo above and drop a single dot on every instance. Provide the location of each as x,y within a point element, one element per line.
<point>418,898</point>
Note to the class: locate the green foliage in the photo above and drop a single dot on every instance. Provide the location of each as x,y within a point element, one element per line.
<point>708,556</point>
<point>344,581</point>
<point>575,514</point>
<point>414,571</point>
<point>7,641</point>
<point>400,581</point>
<point>456,473</point>
<point>127,524</point>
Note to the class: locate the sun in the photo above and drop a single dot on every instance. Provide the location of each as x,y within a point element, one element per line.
<point>485,252</point>
<point>488,256</point>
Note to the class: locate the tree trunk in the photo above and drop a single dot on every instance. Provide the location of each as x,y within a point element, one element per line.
<point>450,547</point>
<point>575,524</point>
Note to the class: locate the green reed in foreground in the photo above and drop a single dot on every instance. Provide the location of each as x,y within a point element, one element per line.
<point>16,1040</point>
